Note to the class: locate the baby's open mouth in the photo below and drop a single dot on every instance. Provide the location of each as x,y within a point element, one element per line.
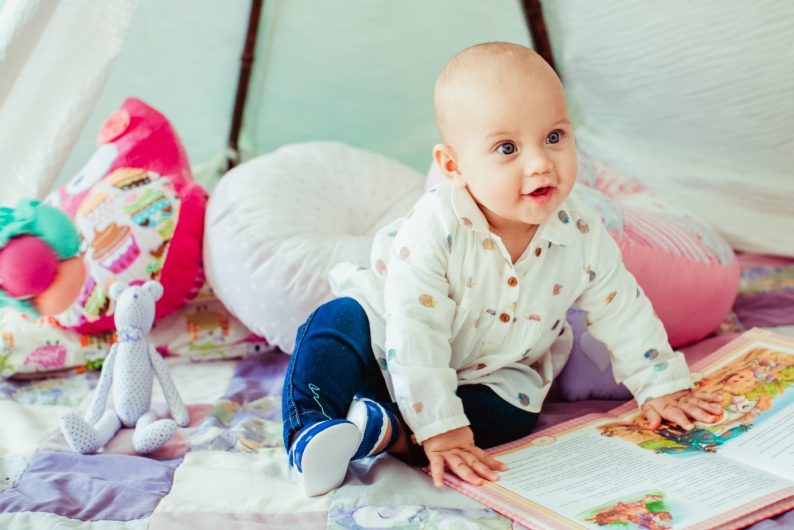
<point>540,192</point>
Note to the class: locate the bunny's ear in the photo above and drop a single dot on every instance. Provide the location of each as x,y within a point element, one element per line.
<point>116,289</point>
<point>154,288</point>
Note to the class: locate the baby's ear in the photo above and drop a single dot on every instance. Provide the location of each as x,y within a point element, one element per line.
<point>444,156</point>
<point>116,289</point>
<point>154,288</point>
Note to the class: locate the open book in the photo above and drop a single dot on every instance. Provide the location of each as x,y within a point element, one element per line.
<point>610,470</point>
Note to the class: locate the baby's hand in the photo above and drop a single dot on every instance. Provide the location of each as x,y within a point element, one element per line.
<point>457,451</point>
<point>680,406</point>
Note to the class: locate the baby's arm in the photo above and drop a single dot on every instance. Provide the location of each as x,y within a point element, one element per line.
<point>620,315</point>
<point>419,315</point>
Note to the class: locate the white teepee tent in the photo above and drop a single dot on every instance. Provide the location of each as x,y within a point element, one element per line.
<point>695,98</point>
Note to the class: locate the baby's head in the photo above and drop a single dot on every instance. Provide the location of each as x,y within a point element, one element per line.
<point>505,133</point>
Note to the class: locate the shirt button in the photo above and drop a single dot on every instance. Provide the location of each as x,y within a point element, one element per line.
<point>504,317</point>
<point>538,251</point>
<point>512,281</point>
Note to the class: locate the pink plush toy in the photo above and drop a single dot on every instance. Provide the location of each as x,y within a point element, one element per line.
<point>41,272</point>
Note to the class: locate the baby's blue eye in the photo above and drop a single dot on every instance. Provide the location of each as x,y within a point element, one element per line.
<point>506,148</point>
<point>554,137</point>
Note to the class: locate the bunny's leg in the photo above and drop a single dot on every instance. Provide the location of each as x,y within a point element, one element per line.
<point>85,438</point>
<point>151,434</point>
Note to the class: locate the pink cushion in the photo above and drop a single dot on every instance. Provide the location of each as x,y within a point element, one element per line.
<point>140,213</point>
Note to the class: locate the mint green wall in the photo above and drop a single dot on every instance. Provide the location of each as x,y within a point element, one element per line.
<point>358,71</point>
<point>182,57</point>
<point>362,71</point>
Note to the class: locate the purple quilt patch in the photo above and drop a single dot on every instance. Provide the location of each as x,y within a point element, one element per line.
<point>258,376</point>
<point>766,296</point>
<point>95,487</point>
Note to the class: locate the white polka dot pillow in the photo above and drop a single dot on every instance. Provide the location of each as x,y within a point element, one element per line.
<point>277,224</point>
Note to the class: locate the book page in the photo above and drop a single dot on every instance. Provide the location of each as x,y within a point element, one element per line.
<point>609,473</point>
<point>757,387</point>
<point>596,471</point>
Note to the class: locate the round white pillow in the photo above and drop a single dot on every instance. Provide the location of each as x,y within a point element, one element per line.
<point>278,223</point>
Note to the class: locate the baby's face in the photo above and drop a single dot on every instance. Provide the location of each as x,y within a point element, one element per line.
<point>515,148</point>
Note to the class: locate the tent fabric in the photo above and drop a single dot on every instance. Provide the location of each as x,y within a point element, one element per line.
<point>696,98</point>
<point>54,59</point>
<point>347,70</point>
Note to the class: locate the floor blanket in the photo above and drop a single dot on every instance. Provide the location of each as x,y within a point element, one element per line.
<point>228,468</point>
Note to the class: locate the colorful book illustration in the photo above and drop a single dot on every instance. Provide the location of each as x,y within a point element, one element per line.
<point>612,471</point>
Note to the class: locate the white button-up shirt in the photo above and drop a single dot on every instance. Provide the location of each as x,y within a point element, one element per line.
<point>447,307</point>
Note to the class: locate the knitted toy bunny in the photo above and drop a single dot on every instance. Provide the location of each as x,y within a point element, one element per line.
<point>129,370</point>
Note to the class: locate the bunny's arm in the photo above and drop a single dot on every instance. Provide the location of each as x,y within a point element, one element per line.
<point>97,406</point>
<point>175,404</point>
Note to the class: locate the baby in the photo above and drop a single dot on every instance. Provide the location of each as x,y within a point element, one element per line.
<point>449,343</point>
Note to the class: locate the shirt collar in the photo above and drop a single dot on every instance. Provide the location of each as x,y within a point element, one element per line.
<point>559,228</point>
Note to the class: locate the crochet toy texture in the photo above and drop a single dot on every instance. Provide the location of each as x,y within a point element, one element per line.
<point>129,369</point>
<point>41,270</point>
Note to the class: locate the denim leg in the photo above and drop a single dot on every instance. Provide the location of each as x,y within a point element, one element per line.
<point>332,362</point>
<point>494,421</point>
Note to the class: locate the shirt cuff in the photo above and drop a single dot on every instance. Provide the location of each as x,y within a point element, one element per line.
<point>662,389</point>
<point>441,426</point>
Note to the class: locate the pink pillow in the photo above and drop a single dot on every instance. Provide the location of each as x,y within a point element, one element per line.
<point>140,213</point>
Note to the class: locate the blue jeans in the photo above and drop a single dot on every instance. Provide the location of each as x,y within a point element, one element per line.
<point>333,362</point>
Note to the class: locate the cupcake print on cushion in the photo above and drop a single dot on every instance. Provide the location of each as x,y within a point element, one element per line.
<point>139,213</point>
<point>114,248</point>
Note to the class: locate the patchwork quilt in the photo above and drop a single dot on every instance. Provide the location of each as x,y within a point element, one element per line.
<point>228,468</point>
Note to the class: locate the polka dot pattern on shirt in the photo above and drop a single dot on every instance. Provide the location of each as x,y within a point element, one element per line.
<point>427,301</point>
<point>611,296</point>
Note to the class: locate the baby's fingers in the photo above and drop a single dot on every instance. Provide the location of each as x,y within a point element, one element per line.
<point>704,405</point>
<point>676,415</point>
<point>487,459</point>
<point>478,466</point>
<point>653,417</point>
<point>436,468</point>
<point>457,464</point>
<point>696,412</point>
<point>707,396</point>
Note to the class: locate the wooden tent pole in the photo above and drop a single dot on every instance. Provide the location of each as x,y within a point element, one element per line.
<point>533,13</point>
<point>246,65</point>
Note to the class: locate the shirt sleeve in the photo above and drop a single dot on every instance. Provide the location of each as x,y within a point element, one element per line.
<point>621,316</point>
<point>419,314</point>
